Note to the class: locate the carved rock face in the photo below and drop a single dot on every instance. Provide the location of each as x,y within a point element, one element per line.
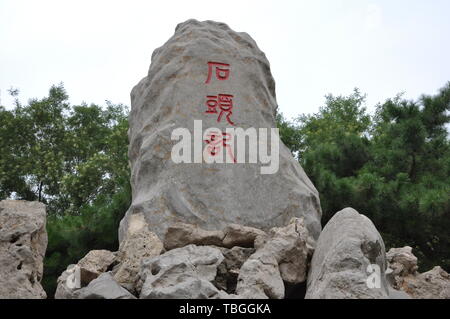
<point>236,91</point>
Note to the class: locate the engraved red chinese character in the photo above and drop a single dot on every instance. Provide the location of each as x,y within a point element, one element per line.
<point>226,138</point>
<point>222,71</point>
<point>211,104</point>
<point>225,104</point>
<point>216,140</point>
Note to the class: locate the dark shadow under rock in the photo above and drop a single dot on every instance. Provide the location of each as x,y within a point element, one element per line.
<point>295,291</point>
<point>228,270</point>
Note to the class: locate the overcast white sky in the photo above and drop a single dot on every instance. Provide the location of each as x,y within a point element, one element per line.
<point>101,49</point>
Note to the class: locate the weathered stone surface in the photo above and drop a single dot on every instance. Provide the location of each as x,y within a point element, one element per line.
<point>23,241</point>
<point>433,284</point>
<point>93,264</point>
<point>181,234</point>
<point>90,267</point>
<point>181,273</point>
<point>281,255</point>
<point>348,244</point>
<point>289,245</point>
<point>404,278</point>
<point>189,288</point>
<point>402,263</point>
<point>172,96</point>
<point>398,294</point>
<point>228,270</point>
<point>68,284</point>
<point>259,278</point>
<point>242,236</point>
<point>104,287</point>
<point>140,243</point>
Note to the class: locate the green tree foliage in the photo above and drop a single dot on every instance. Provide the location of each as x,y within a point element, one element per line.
<point>393,167</point>
<point>289,134</point>
<point>73,159</point>
<point>71,237</point>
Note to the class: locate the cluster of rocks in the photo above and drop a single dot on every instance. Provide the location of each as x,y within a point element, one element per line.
<point>403,275</point>
<point>245,262</point>
<point>347,255</point>
<point>236,262</point>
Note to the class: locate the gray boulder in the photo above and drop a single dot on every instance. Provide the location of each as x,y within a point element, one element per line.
<point>291,247</point>
<point>104,287</point>
<point>228,270</point>
<point>402,260</point>
<point>181,273</point>
<point>173,95</point>
<point>402,263</point>
<point>89,268</point>
<point>140,243</point>
<point>348,255</point>
<point>95,263</point>
<point>259,278</point>
<point>69,283</point>
<point>281,256</point>
<point>23,241</point>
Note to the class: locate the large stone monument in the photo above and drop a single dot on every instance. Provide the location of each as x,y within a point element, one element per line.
<point>218,78</point>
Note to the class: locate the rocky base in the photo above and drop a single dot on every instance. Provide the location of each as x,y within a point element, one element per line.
<point>192,263</point>
<point>244,262</point>
<point>402,273</point>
